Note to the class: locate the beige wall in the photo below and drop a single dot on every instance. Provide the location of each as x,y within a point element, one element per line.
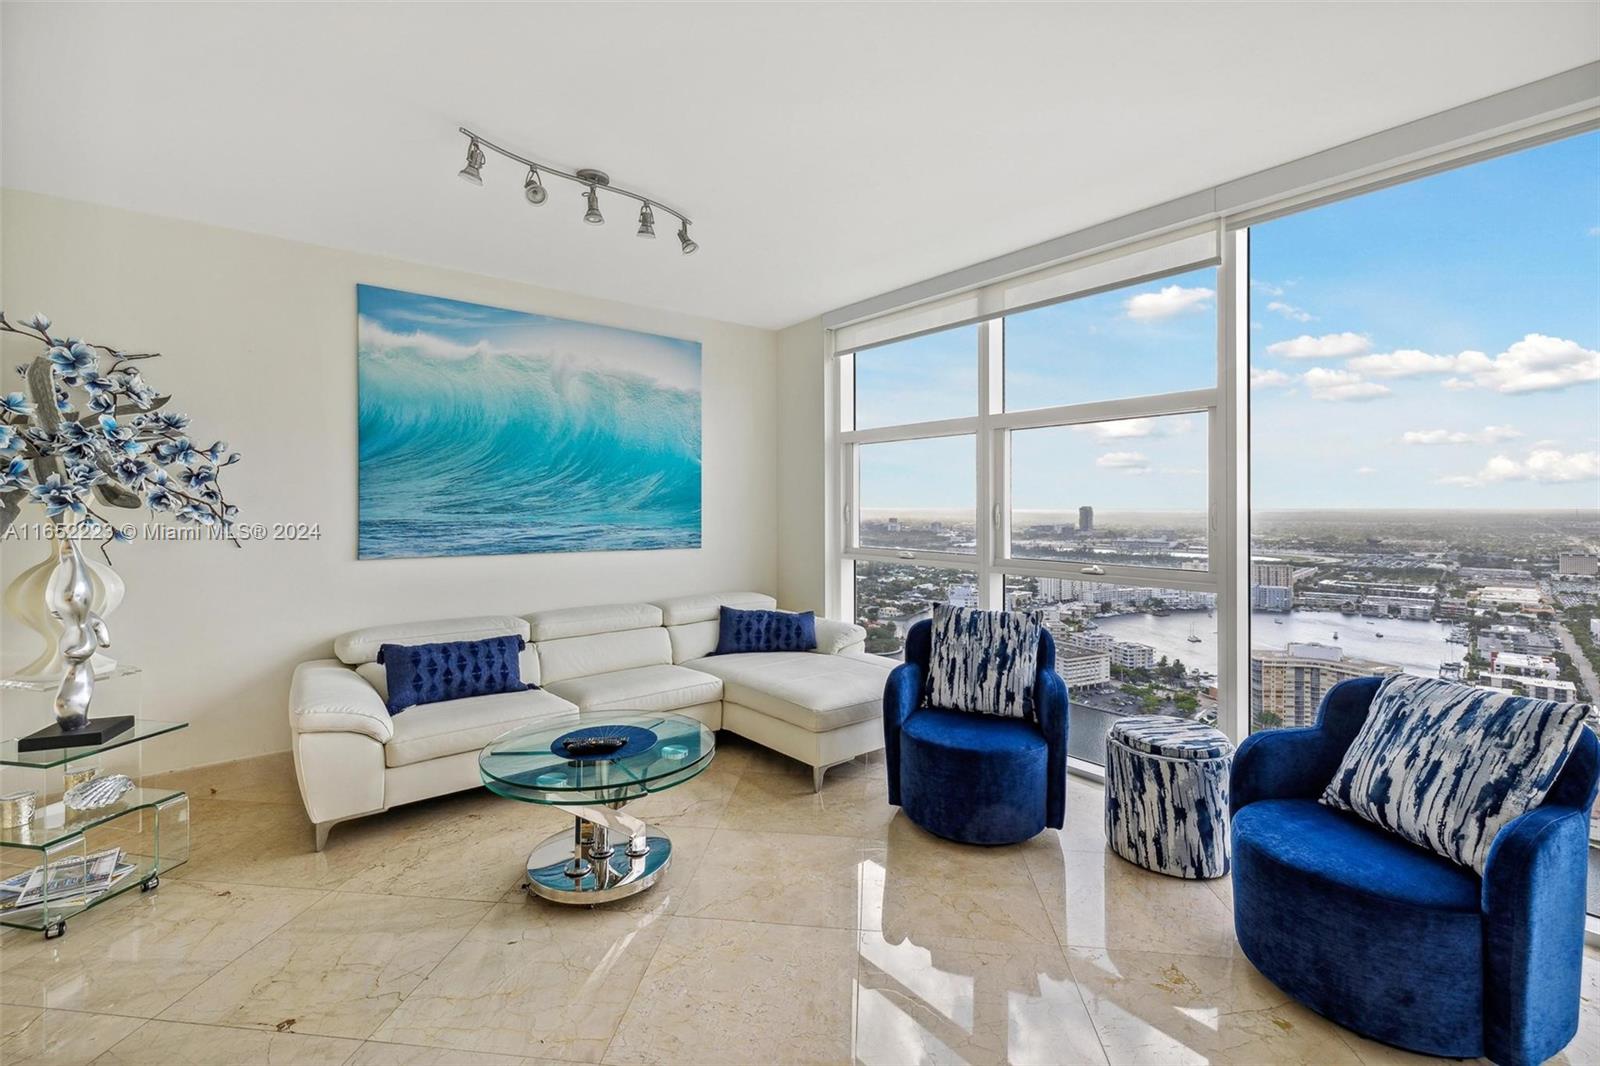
<point>258,343</point>
<point>802,517</point>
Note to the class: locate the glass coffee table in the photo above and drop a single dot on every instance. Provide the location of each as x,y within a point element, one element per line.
<point>591,765</point>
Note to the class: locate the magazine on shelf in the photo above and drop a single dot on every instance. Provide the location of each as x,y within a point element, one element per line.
<point>71,881</point>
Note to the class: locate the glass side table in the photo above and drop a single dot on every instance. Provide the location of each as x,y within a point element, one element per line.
<point>65,851</point>
<point>591,766</point>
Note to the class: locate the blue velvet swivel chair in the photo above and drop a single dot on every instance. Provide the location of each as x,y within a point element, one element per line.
<point>975,778</point>
<point>1392,940</point>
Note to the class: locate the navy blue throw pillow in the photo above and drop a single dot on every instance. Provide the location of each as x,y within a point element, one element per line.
<point>747,631</point>
<point>434,673</point>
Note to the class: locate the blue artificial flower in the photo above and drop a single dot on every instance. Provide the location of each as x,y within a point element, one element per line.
<point>195,513</point>
<point>131,470</point>
<point>173,420</point>
<point>74,433</point>
<point>119,437</point>
<point>177,451</point>
<point>199,477</point>
<point>70,360</point>
<point>14,477</point>
<point>57,496</point>
<point>10,440</point>
<point>16,403</point>
<point>102,402</point>
<point>39,321</point>
<point>216,451</point>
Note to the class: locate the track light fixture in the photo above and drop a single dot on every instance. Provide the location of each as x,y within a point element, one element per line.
<point>475,161</point>
<point>593,181</point>
<point>533,189</point>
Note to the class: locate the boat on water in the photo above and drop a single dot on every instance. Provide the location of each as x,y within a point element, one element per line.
<point>1378,635</point>
<point>1335,634</point>
<point>1193,639</point>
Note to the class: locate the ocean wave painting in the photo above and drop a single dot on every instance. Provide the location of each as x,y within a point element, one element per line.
<point>492,432</point>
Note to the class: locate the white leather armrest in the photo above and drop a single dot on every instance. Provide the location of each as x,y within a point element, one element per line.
<point>327,696</point>
<point>839,638</point>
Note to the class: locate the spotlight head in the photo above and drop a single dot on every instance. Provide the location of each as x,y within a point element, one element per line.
<point>687,243</point>
<point>475,160</point>
<point>533,189</point>
<point>593,215</point>
<point>647,223</point>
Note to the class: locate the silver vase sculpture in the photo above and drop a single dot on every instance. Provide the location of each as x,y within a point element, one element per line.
<point>70,595</point>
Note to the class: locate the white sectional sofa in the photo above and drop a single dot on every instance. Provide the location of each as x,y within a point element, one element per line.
<point>352,759</point>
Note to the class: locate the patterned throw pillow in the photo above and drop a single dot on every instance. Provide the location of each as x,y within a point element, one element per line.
<point>1447,765</point>
<point>748,631</point>
<point>434,673</point>
<point>983,661</point>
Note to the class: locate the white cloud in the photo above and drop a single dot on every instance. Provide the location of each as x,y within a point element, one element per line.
<point>1340,385</point>
<point>1366,470</point>
<point>1124,428</point>
<point>1133,462</point>
<point>1291,312</point>
<point>1327,346</point>
<point>1536,363</point>
<point>1269,379</point>
<point>1169,301</point>
<point>1546,465</point>
<point>1486,435</point>
<point>1405,363</point>
<point>1267,287</point>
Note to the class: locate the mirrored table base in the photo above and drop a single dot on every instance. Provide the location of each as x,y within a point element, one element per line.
<point>608,855</point>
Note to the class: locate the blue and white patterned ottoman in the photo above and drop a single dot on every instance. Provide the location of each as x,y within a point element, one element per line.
<point>1167,795</point>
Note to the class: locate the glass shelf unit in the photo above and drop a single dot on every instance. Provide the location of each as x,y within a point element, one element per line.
<point>148,828</point>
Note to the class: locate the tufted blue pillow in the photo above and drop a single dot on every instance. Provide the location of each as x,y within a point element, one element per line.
<point>434,673</point>
<point>747,631</point>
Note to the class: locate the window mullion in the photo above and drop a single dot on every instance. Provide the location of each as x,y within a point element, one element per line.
<point>990,377</point>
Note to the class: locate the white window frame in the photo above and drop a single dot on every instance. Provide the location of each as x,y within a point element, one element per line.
<point>1554,108</point>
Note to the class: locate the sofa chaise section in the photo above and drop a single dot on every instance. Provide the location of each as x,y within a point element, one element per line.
<point>821,707</point>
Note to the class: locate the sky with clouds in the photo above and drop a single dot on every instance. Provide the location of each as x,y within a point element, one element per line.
<point>1431,345</point>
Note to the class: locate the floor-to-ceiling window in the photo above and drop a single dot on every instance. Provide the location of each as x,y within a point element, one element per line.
<point>1059,458</point>
<point>1420,478</point>
<point>1425,434</point>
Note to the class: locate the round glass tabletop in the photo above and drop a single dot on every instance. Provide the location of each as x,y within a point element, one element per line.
<point>601,757</point>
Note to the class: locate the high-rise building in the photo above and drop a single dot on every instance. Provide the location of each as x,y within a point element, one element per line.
<point>1271,597</point>
<point>1287,686</point>
<point>1278,574</point>
<point>1574,565</point>
<point>1086,520</point>
<point>1131,656</point>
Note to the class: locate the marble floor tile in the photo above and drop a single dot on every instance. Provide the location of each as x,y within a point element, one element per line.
<point>784,803</point>
<point>1101,900</point>
<point>64,1038</point>
<point>699,802</point>
<point>158,1043</point>
<point>237,842</point>
<point>943,999</point>
<point>533,978</point>
<point>1085,828</point>
<point>785,878</point>
<point>915,884</point>
<point>14,1018</point>
<point>1156,1008</point>
<point>140,953</point>
<point>376,1053</point>
<point>265,779</point>
<point>741,992</point>
<point>455,855</point>
<point>338,969</point>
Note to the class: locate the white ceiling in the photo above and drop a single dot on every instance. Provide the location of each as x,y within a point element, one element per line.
<point>827,152</point>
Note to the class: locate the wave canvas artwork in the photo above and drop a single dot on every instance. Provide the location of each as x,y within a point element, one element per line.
<point>492,432</point>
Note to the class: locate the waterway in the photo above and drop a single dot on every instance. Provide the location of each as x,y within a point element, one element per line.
<point>1416,646</point>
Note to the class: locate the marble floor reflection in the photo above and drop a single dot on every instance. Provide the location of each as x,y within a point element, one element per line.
<point>793,927</point>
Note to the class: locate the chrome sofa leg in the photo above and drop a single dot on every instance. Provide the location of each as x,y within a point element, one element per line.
<point>816,777</point>
<point>323,829</point>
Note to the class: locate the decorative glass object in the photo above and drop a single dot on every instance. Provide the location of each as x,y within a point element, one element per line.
<point>17,808</point>
<point>97,792</point>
